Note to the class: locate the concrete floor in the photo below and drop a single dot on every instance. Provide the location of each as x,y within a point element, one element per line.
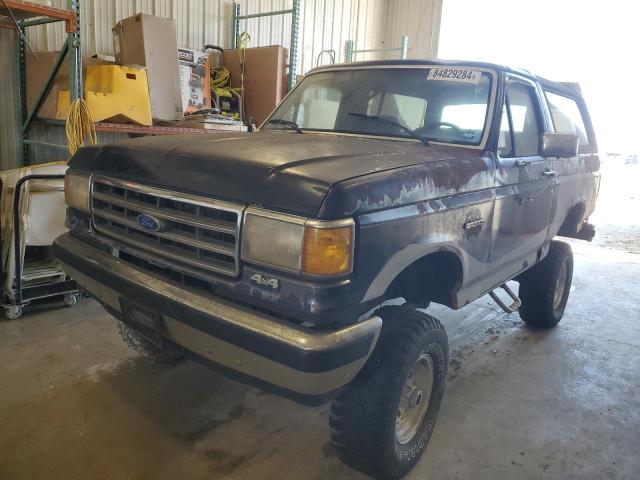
<point>75,403</point>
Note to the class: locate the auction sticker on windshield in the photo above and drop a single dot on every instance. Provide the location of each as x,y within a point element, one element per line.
<point>454,74</point>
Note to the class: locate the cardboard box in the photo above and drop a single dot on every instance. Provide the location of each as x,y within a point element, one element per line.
<point>265,78</point>
<point>150,41</point>
<point>195,82</point>
<point>38,70</point>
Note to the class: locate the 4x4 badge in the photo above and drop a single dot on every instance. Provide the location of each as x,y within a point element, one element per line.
<point>265,281</point>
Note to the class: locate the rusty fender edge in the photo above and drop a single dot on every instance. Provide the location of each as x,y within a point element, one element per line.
<point>302,360</point>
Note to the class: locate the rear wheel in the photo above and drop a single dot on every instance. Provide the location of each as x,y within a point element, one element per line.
<point>381,422</point>
<point>146,348</point>
<point>544,290</point>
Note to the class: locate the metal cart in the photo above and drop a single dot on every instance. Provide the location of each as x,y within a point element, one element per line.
<point>31,278</point>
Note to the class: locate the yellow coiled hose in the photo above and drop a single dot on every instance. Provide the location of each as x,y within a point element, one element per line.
<point>79,128</point>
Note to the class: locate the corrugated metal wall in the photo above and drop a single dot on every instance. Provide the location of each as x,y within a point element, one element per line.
<point>325,25</point>
<point>420,20</point>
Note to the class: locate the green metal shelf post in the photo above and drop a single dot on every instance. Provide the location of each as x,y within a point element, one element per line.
<point>76,52</point>
<point>293,51</point>
<point>404,47</point>
<point>350,49</point>
<point>21,100</point>
<point>295,33</point>
<point>31,14</point>
<point>235,30</point>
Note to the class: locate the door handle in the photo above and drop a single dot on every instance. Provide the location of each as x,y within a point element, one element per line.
<point>549,173</point>
<point>521,163</point>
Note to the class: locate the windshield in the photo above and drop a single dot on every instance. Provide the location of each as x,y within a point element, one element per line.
<point>442,104</point>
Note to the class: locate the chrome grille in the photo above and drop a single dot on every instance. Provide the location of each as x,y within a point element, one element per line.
<point>196,232</point>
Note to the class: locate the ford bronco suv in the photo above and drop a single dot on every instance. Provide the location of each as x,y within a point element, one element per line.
<point>280,256</point>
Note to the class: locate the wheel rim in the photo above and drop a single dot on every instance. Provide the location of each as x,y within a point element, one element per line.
<point>561,281</point>
<point>415,398</point>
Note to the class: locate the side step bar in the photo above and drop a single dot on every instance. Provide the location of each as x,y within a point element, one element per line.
<point>507,308</point>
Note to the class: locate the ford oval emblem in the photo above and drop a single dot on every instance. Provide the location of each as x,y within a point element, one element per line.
<point>148,222</point>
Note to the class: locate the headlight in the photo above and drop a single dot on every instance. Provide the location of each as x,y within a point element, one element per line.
<point>272,239</point>
<point>76,190</point>
<point>297,244</point>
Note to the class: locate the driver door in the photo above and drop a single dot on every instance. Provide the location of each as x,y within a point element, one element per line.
<point>524,182</point>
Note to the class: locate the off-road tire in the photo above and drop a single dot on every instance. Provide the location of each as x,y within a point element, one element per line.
<point>146,348</point>
<point>363,416</point>
<point>539,307</point>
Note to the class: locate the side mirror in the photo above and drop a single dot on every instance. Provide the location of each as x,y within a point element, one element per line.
<point>562,145</point>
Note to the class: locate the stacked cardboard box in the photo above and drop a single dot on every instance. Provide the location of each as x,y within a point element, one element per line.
<point>150,41</point>
<point>178,79</point>
<point>265,78</point>
<point>38,70</point>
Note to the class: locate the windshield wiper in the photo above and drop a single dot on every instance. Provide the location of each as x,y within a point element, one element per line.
<point>289,123</point>
<point>376,118</point>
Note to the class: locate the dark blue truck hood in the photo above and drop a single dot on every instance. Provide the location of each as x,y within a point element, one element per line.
<point>284,171</point>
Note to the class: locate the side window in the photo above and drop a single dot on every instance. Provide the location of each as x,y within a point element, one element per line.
<point>409,111</point>
<point>522,102</point>
<point>505,148</point>
<point>566,117</point>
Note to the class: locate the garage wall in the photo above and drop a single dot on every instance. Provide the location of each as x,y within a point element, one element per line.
<point>325,25</point>
<point>420,20</point>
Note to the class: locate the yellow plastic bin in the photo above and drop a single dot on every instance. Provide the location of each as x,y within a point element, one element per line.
<point>113,92</point>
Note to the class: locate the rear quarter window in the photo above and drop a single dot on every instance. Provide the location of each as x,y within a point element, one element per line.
<point>567,117</point>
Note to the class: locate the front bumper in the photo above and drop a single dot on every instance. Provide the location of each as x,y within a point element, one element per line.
<point>300,360</point>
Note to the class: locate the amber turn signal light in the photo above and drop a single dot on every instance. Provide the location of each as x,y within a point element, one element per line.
<point>327,251</point>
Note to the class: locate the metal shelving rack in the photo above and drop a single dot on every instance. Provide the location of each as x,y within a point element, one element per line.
<point>350,49</point>
<point>295,33</point>
<point>19,15</point>
<point>27,14</point>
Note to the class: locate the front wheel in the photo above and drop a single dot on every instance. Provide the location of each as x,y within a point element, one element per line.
<point>381,422</point>
<point>544,290</point>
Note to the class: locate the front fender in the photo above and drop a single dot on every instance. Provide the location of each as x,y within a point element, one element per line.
<point>389,241</point>
<point>401,260</point>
